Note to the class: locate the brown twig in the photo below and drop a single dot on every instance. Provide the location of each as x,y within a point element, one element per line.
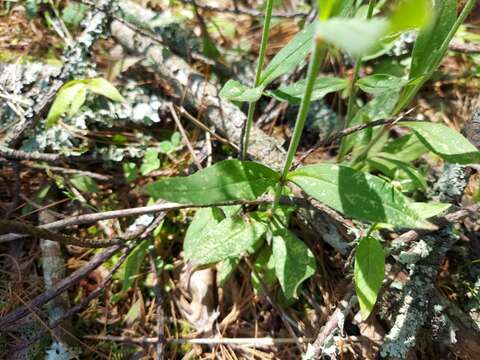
<point>185,136</point>
<point>157,208</point>
<point>349,131</point>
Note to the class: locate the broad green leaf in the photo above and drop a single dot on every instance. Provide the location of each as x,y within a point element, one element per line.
<point>357,195</point>
<point>150,162</point>
<point>378,84</point>
<point>355,36</point>
<point>369,273</point>
<point>235,91</point>
<point>293,93</point>
<point>227,268</point>
<point>294,262</point>
<point>410,14</point>
<point>290,56</point>
<point>204,219</point>
<point>445,142</point>
<point>407,148</point>
<point>224,181</point>
<point>63,101</point>
<point>103,87</point>
<point>232,237</point>
<point>84,183</point>
<point>430,209</point>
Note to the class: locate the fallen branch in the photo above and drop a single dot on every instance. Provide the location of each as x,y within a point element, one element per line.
<point>190,87</point>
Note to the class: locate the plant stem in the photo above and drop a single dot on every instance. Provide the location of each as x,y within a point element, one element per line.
<point>261,61</point>
<point>352,90</point>
<point>405,100</point>
<point>315,62</point>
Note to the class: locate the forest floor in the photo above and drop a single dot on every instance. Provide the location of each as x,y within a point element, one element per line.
<point>145,299</point>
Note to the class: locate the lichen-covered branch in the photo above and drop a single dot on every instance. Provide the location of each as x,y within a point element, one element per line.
<point>75,65</point>
<point>190,87</point>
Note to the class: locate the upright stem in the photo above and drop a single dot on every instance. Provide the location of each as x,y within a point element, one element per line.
<point>315,62</point>
<point>352,91</point>
<point>261,61</point>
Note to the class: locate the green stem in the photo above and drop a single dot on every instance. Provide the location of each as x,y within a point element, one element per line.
<point>413,91</point>
<point>352,90</point>
<point>261,62</point>
<point>315,62</point>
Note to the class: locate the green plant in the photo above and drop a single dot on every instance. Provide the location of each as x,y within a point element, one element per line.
<point>225,233</point>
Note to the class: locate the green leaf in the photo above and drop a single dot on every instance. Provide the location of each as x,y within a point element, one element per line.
<point>379,84</point>
<point>224,181</point>
<point>445,142</point>
<point>290,56</point>
<point>84,184</point>
<point>232,237</point>
<point>103,87</point>
<point>204,219</point>
<point>132,267</point>
<point>63,101</point>
<point>235,91</point>
<point>407,148</point>
<point>410,14</point>
<point>77,101</point>
<point>430,209</point>
<point>427,49</point>
<point>357,194</point>
<point>73,13</point>
<point>369,273</point>
<point>293,93</point>
<point>355,36</point>
<point>130,171</point>
<point>410,170</point>
<point>150,162</point>
<point>294,262</point>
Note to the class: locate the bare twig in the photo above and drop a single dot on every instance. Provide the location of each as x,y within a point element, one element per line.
<point>185,136</point>
<point>254,342</point>
<point>341,134</point>
<point>11,154</point>
<point>163,207</point>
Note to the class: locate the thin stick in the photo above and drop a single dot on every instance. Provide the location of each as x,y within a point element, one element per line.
<point>185,137</point>
<point>202,126</point>
<point>164,207</point>
<point>349,131</point>
<point>265,341</point>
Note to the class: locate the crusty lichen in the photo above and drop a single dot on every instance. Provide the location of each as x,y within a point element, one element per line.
<point>417,295</point>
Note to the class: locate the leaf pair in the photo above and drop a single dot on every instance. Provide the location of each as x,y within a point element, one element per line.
<point>72,95</point>
<point>212,237</point>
